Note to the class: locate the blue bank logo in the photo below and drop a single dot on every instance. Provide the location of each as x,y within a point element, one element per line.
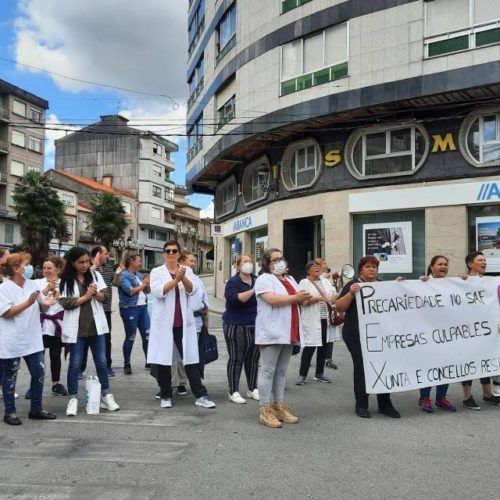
<point>489,191</point>
<point>242,224</point>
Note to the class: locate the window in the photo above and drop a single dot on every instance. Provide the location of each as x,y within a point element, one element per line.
<point>195,138</point>
<point>16,168</point>
<point>301,164</point>
<point>69,226</point>
<point>36,115</point>
<point>255,182</point>
<point>36,168</point>
<point>157,171</point>
<point>9,233</point>
<point>225,197</point>
<point>68,200</point>
<point>314,60</point>
<point>169,195</point>
<point>454,25</point>
<point>155,213</point>
<point>161,236</point>
<point>35,144</point>
<point>196,26</point>
<point>479,138</point>
<point>18,139</point>
<point>287,5</point>
<point>226,33</point>
<point>157,149</point>
<point>127,207</point>
<point>196,81</point>
<point>151,234</point>
<point>386,151</point>
<point>19,108</point>
<point>227,112</point>
<point>156,191</point>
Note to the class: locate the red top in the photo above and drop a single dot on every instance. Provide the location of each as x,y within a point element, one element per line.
<point>178,311</point>
<point>294,331</point>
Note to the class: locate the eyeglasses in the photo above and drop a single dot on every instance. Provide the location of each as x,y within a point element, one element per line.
<point>171,250</point>
<point>278,259</point>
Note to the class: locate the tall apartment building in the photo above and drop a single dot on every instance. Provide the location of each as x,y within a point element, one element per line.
<point>22,117</point>
<point>342,125</point>
<point>115,154</point>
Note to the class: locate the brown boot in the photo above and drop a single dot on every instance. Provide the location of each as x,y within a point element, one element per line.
<point>268,418</point>
<point>283,413</point>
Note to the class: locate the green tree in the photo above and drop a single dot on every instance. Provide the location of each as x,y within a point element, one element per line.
<point>107,219</point>
<point>40,213</point>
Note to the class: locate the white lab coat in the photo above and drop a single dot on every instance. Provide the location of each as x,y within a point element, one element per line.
<point>161,339</point>
<point>273,324</point>
<point>310,318</point>
<point>72,316</point>
<point>22,334</point>
<point>198,301</point>
<point>48,327</point>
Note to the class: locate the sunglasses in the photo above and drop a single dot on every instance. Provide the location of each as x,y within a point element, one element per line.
<point>171,250</point>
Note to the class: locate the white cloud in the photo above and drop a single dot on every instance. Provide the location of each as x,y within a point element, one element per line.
<point>139,45</point>
<point>208,211</point>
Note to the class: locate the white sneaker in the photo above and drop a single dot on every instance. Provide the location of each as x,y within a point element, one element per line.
<point>72,408</point>
<point>166,403</point>
<point>235,397</point>
<point>253,394</point>
<point>205,402</point>
<point>496,391</point>
<point>108,403</point>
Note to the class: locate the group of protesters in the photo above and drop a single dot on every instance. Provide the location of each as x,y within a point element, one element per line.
<point>268,318</point>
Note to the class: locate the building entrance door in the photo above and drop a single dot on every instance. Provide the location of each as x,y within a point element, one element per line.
<point>303,240</point>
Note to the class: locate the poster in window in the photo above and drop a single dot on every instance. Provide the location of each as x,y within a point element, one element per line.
<point>488,241</point>
<point>391,244</point>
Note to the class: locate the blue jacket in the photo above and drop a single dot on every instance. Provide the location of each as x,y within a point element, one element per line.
<point>239,313</point>
<point>127,282</point>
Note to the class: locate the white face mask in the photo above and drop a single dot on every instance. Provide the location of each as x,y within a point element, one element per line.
<point>247,268</point>
<point>279,268</point>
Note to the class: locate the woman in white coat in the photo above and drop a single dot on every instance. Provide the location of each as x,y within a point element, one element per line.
<point>82,293</point>
<point>277,329</point>
<point>314,319</point>
<point>173,322</point>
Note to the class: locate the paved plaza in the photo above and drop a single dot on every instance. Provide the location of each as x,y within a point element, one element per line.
<point>145,452</point>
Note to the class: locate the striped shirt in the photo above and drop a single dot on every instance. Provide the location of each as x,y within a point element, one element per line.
<point>323,310</point>
<point>108,274</point>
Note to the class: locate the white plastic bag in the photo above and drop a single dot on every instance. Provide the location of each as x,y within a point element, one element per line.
<point>93,395</point>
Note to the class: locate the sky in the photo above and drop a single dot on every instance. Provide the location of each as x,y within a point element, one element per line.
<point>138,46</point>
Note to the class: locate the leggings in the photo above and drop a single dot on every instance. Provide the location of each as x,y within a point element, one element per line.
<point>274,360</point>
<point>54,345</point>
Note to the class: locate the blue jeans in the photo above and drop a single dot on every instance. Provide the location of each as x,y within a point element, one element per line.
<point>133,318</point>
<point>441,391</point>
<point>10,367</point>
<point>97,344</point>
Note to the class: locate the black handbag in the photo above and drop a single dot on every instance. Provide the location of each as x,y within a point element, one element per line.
<point>211,352</point>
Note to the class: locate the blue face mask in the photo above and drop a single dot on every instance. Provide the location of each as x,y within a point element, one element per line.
<point>28,271</point>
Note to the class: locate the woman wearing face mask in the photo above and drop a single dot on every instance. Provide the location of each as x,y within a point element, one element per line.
<point>239,330</point>
<point>84,325</point>
<point>476,266</point>
<point>52,322</point>
<point>21,336</point>
<point>277,329</point>
<point>368,272</point>
<point>438,268</point>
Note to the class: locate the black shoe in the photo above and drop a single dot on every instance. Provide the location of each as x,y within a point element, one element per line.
<point>181,390</point>
<point>12,419</point>
<point>390,411</point>
<point>491,400</point>
<point>470,404</point>
<point>28,394</point>
<point>330,364</point>
<point>41,415</point>
<point>127,369</point>
<point>147,366</point>
<point>59,390</point>
<point>363,413</point>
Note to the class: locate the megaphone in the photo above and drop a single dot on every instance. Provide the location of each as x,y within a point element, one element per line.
<point>347,272</point>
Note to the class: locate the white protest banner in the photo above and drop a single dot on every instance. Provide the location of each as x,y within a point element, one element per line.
<point>418,334</point>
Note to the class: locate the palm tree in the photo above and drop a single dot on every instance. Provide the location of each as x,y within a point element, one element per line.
<point>40,213</point>
<point>107,219</point>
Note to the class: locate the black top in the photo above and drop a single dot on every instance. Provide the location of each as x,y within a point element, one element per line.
<point>351,322</point>
<point>237,312</point>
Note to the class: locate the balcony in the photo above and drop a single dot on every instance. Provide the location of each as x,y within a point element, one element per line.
<point>4,146</point>
<point>4,209</point>
<point>4,179</point>
<point>4,115</point>
<point>196,92</point>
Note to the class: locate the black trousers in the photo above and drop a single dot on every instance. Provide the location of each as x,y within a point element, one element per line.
<point>54,345</point>
<point>107,338</point>
<point>164,373</point>
<point>354,346</point>
<point>308,352</point>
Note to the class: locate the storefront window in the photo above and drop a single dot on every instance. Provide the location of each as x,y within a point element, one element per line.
<point>484,234</point>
